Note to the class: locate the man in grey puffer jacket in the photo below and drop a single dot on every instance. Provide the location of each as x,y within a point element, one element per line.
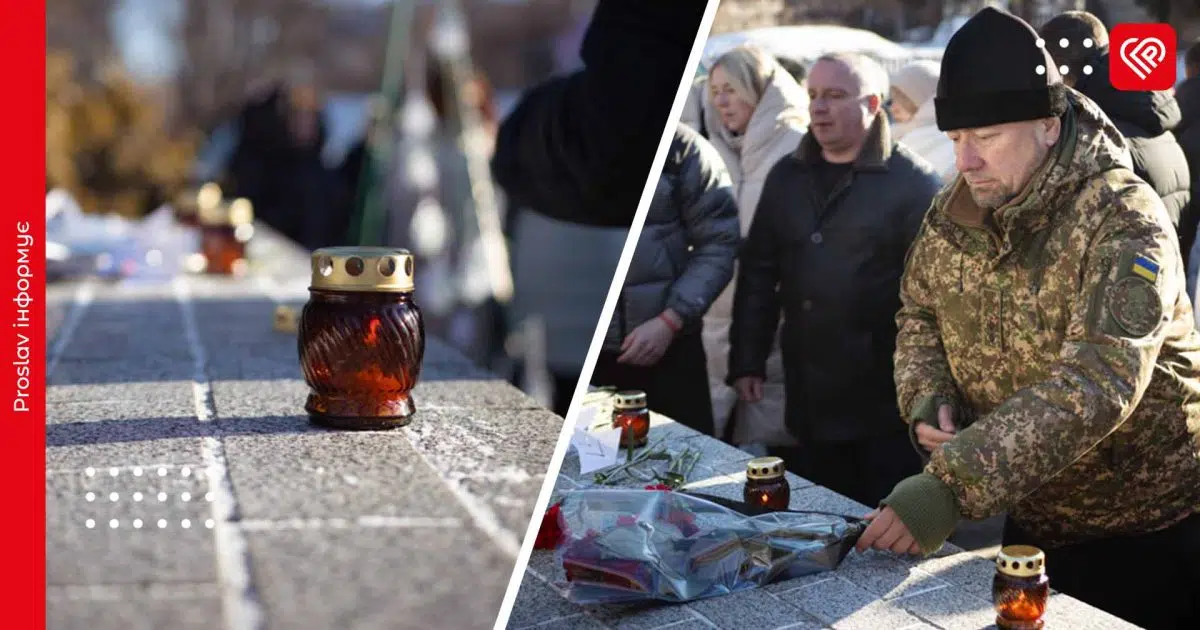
<point>684,259</point>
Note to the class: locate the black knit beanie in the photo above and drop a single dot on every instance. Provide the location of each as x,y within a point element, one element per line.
<point>996,70</point>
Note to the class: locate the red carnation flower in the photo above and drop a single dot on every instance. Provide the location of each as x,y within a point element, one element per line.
<point>550,533</point>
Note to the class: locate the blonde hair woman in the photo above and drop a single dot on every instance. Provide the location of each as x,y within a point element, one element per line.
<point>914,121</point>
<point>755,114</point>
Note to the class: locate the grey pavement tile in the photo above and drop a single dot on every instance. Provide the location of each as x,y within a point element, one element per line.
<point>317,473</point>
<point>1067,612</point>
<point>537,603</point>
<point>258,398</point>
<point>695,623</point>
<point>949,608</point>
<point>843,605</point>
<point>150,369</point>
<point>175,392</point>
<point>749,609</point>
<point>821,499</point>
<point>783,586</point>
<point>459,394</point>
<point>144,442</point>
<point>117,410</point>
<point>965,571</point>
<point>498,456</point>
<point>101,554</point>
<point>543,563</point>
<point>641,616</point>
<point>135,613</point>
<point>886,575</point>
<point>371,578</point>
<point>578,622</point>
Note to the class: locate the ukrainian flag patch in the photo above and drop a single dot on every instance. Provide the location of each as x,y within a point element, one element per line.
<point>1145,268</point>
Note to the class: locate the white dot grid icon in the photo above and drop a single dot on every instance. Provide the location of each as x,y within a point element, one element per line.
<point>114,471</point>
<point>1040,69</point>
<point>1064,69</point>
<point>185,497</point>
<point>114,523</point>
<point>91,472</point>
<point>1087,69</point>
<point>209,523</point>
<point>114,497</point>
<point>137,472</point>
<point>185,471</point>
<point>162,523</point>
<point>90,523</point>
<point>1088,43</point>
<point>208,496</point>
<point>162,472</point>
<point>162,496</point>
<point>185,524</point>
<point>137,523</point>
<point>1064,42</point>
<point>91,496</point>
<point>137,496</point>
<point>1041,43</point>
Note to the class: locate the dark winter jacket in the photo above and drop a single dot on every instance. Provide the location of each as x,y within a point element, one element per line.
<point>1147,120</point>
<point>685,253</point>
<point>1187,94</point>
<point>832,266</point>
<point>579,148</point>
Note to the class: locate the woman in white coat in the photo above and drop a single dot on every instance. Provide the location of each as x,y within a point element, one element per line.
<point>755,113</point>
<point>914,120</point>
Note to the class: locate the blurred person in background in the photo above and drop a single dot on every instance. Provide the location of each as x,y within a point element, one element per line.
<point>578,148</point>
<point>430,207</point>
<point>1146,119</point>
<point>684,258</point>
<point>1187,94</point>
<point>756,114</point>
<point>914,119</point>
<point>277,163</point>
<point>827,248</point>
<point>693,108</point>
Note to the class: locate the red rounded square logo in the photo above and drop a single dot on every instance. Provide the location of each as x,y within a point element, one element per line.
<point>1142,57</point>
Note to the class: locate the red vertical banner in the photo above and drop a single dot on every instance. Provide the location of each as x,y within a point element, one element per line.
<point>23,346</point>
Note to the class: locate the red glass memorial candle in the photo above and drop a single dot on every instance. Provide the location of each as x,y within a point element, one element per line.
<point>631,415</point>
<point>1020,589</point>
<point>224,231</point>
<point>361,338</point>
<point>766,485</point>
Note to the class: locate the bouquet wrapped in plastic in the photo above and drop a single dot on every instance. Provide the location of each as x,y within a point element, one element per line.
<point>620,546</point>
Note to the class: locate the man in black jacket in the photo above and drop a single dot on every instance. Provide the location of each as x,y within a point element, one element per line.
<point>580,148</point>
<point>684,259</point>
<point>827,247</point>
<point>1146,119</point>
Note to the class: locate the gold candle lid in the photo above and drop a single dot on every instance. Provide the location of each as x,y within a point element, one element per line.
<point>362,269</point>
<point>763,468</point>
<point>1021,561</point>
<point>237,212</point>
<point>630,399</point>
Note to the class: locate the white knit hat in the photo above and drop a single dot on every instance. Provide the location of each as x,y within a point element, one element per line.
<point>917,80</point>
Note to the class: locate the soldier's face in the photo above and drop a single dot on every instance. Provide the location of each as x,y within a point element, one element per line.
<point>841,114</point>
<point>997,162</point>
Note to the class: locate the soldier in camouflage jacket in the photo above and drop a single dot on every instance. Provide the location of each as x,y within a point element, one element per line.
<point>1054,330</point>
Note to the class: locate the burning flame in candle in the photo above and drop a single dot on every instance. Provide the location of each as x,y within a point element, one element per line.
<point>373,331</point>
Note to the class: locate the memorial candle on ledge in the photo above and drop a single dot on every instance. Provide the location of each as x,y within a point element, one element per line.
<point>224,231</point>
<point>361,338</point>
<point>1020,589</point>
<point>766,485</point>
<point>631,414</point>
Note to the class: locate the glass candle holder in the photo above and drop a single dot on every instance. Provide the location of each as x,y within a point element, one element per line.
<point>1021,588</point>
<point>224,231</point>
<point>187,206</point>
<point>361,338</point>
<point>766,486</point>
<point>631,414</point>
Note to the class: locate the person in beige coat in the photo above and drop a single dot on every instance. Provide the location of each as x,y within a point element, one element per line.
<point>755,114</point>
<point>914,117</point>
